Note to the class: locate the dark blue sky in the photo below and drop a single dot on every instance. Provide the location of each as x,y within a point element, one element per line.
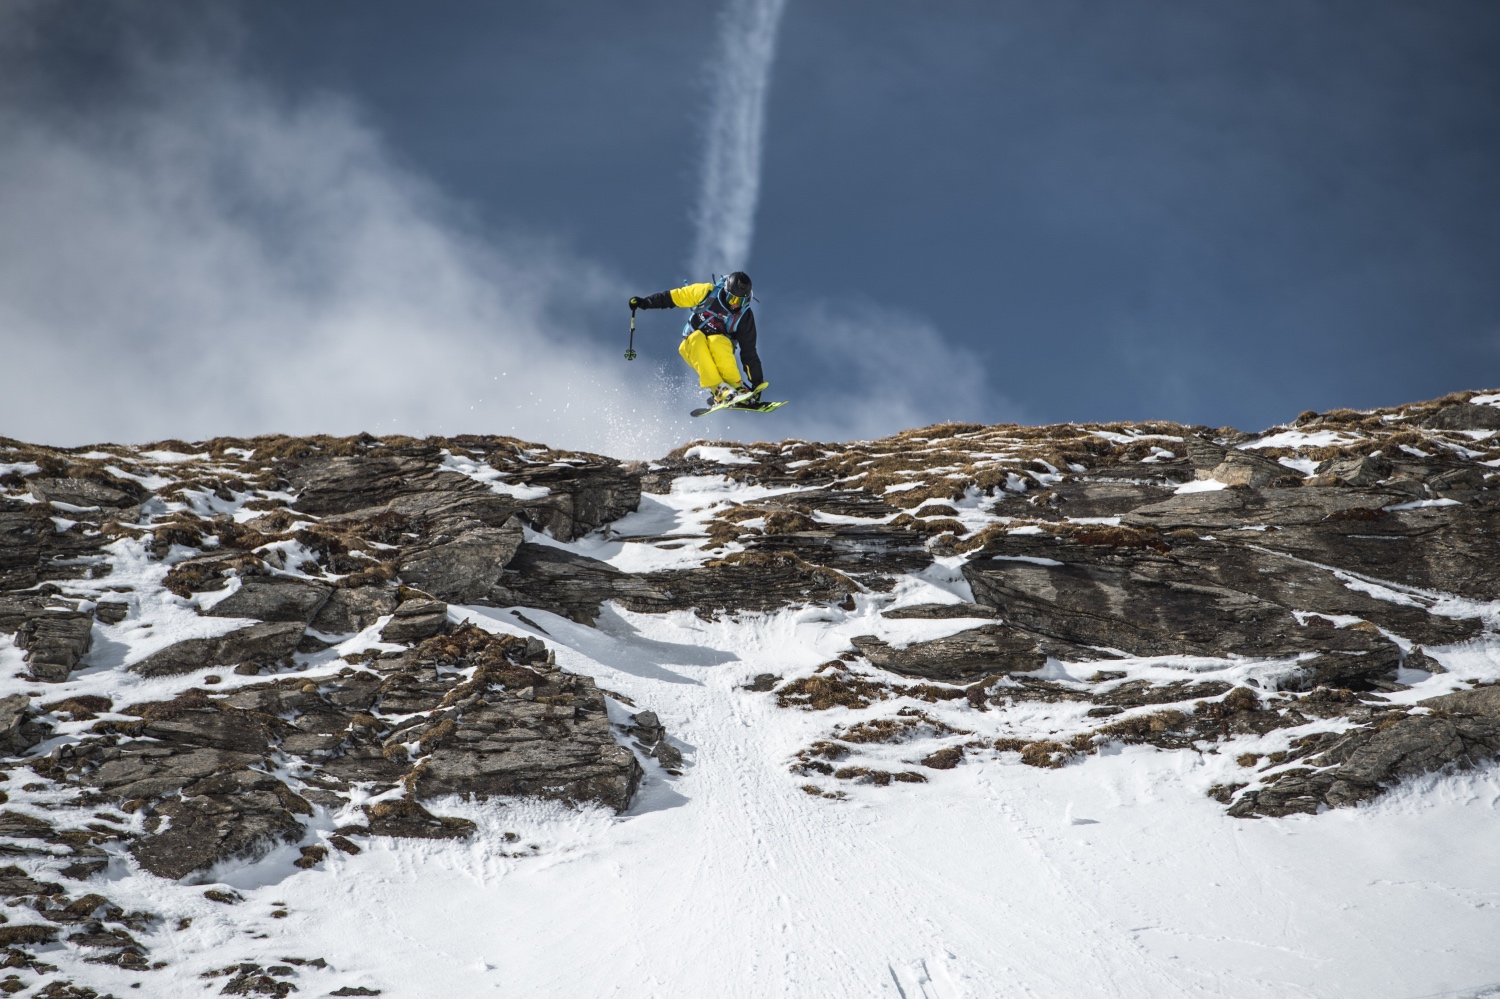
<point>1210,212</point>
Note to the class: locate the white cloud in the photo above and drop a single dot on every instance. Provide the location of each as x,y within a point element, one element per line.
<point>886,371</point>
<point>215,260</point>
<point>210,257</point>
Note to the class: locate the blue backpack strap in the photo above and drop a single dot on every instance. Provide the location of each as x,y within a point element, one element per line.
<point>688,327</point>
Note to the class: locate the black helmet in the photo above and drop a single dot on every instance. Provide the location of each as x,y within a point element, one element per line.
<point>737,285</point>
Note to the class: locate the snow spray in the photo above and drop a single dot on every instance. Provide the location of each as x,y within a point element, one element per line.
<point>741,72</point>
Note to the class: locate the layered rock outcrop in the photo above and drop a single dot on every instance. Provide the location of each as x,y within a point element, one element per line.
<point>1183,587</point>
<point>1328,551</point>
<point>283,547</point>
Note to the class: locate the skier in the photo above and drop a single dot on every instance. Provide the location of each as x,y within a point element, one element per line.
<point>721,318</point>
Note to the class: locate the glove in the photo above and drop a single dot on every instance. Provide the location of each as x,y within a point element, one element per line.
<point>635,303</point>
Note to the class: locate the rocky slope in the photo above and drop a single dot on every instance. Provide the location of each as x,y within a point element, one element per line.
<point>228,645</point>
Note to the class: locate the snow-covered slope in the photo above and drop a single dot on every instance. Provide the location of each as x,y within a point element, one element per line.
<point>894,764</point>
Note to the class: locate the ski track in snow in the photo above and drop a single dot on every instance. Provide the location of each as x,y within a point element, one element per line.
<point>1114,877</point>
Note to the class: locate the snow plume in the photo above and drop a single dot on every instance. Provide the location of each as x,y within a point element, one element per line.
<point>740,71</point>
<point>204,256</point>
<point>888,372</point>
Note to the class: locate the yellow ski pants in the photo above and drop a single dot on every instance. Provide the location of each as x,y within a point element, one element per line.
<point>712,357</point>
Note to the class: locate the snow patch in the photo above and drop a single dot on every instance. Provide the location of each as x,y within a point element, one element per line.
<point>1200,486</point>
<point>1297,438</point>
<point>718,455</point>
<point>1419,504</point>
<point>481,471</point>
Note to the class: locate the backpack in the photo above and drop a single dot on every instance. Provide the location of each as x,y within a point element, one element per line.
<point>713,317</point>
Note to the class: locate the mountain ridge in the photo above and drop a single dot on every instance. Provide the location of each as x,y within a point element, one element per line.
<point>367,627</point>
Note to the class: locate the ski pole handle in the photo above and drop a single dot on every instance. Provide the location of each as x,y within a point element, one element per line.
<point>630,350</point>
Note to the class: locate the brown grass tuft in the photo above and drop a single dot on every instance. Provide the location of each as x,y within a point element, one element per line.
<point>789,522</point>
<point>188,700</point>
<point>1105,536</point>
<point>82,708</point>
<point>821,692</point>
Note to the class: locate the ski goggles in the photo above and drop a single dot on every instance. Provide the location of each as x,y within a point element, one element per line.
<point>735,301</point>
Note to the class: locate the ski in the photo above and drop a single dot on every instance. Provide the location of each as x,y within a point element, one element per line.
<point>730,402</point>
<point>765,407</point>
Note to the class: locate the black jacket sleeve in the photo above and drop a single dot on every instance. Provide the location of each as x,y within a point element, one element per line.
<point>661,300</point>
<point>744,335</point>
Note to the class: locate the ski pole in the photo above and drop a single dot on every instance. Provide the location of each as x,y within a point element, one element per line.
<point>630,350</point>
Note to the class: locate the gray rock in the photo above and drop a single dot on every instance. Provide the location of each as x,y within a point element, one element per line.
<point>1455,549</point>
<point>560,749</point>
<point>1204,455</point>
<point>16,736</point>
<point>744,581</point>
<point>27,934</point>
<point>1458,483</point>
<point>87,492</point>
<point>235,815</point>
<point>414,620</point>
<point>15,883</point>
<point>111,611</point>
<point>267,642</point>
<point>32,551</point>
<point>15,612</point>
<point>1464,416</point>
<point>580,497</point>
<point>326,799</point>
<point>1199,597</point>
<point>354,692</point>
<point>148,770</point>
<point>1362,470</point>
<point>568,584</point>
<point>351,609</point>
<point>936,612</point>
<point>342,485</point>
<point>260,643</point>
<point>24,826</point>
<point>964,657</point>
<point>54,642</point>
<point>1355,670</point>
<point>214,728</point>
<point>1249,470</point>
<point>1227,509</point>
<point>273,598</point>
<point>651,739</point>
<point>409,820</point>
<point>312,745</point>
<point>1417,659</point>
<point>1095,498</point>
<point>1462,730</point>
<point>464,569</point>
<point>855,549</point>
<point>1137,693</point>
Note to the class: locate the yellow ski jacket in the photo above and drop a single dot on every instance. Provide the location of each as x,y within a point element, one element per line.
<point>738,324</point>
